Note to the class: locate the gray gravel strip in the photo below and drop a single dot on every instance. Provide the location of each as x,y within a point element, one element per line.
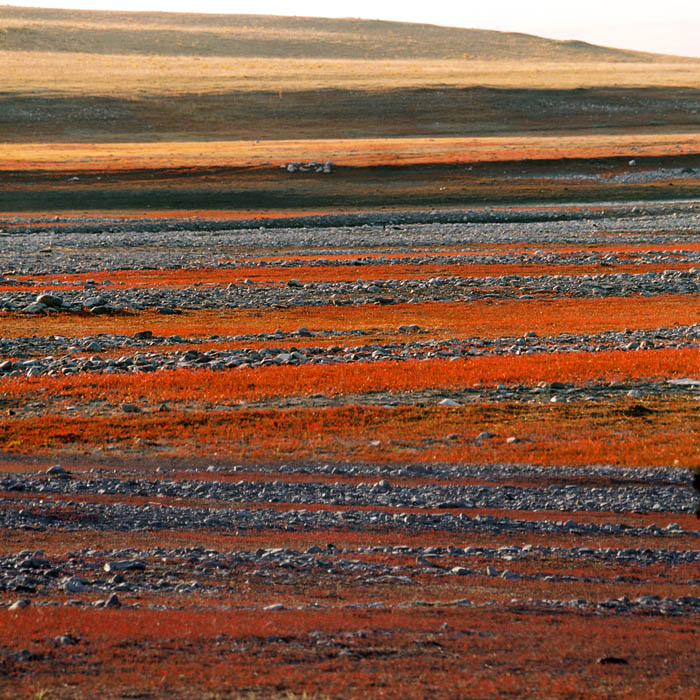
<point>619,499</point>
<point>195,570</point>
<point>644,605</point>
<point>378,292</point>
<point>35,514</point>
<point>568,257</point>
<point>149,361</point>
<point>491,472</point>
<point>31,346</point>
<point>114,245</point>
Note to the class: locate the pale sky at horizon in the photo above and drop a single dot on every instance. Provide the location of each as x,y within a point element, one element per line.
<point>671,26</point>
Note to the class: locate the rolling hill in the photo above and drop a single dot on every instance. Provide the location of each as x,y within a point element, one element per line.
<point>171,34</point>
<point>79,76</point>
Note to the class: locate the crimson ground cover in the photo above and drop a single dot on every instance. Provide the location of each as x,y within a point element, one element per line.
<point>246,384</point>
<point>332,631</point>
<point>490,318</point>
<point>591,432</point>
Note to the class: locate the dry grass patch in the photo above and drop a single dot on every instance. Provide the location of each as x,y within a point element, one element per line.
<point>80,73</point>
<point>355,152</point>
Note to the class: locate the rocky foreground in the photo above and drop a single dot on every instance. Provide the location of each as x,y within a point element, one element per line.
<point>322,568</point>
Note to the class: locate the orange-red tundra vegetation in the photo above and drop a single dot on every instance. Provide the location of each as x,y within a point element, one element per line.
<point>248,384</point>
<point>485,318</point>
<point>443,652</point>
<point>587,433</point>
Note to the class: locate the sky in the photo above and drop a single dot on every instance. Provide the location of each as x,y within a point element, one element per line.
<point>660,26</point>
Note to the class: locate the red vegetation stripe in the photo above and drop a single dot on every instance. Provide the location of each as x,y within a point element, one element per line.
<point>445,653</point>
<point>354,378</point>
<point>576,433</point>
<point>485,318</point>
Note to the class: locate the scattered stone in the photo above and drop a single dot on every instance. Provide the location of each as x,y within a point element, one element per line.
<point>50,300</point>
<point>58,471</point>
<point>448,402</point>
<point>125,565</point>
<point>34,308</point>
<point>25,655</point>
<point>612,660</point>
<point>113,602</point>
<point>75,584</point>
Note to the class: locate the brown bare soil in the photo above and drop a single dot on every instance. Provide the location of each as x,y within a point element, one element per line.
<point>449,184</point>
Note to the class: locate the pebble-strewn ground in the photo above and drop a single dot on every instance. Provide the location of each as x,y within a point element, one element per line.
<point>401,455</point>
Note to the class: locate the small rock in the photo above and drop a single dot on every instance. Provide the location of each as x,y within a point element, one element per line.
<point>94,301</point>
<point>448,402</point>
<point>74,584</point>
<point>100,309</point>
<point>34,308</point>
<point>19,604</point>
<point>125,565</point>
<point>50,300</point>
<point>113,602</point>
<point>58,471</point>
<point>604,660</point>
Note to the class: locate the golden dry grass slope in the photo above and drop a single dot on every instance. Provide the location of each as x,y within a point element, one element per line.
<point>173,34</point>
<point>114,76</point>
